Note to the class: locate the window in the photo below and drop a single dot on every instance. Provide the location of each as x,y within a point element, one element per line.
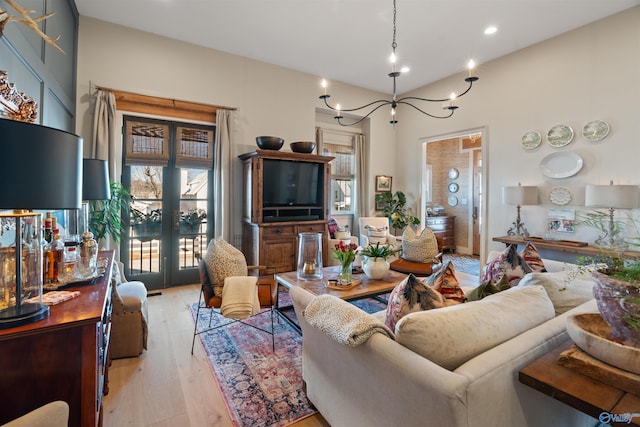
<point>343,170</point>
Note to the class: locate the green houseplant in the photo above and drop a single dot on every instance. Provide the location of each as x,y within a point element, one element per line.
<point>394,208</point>
<point>146,226</point>
<point>105,217</point>
<point>375,258</point>
<point>190,221</point>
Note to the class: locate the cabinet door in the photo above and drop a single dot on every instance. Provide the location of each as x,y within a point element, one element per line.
<point>278,253</point>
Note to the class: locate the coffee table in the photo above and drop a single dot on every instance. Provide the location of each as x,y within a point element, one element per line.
<point>368,287</point>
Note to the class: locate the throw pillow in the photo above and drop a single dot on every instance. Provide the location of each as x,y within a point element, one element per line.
<point>454,335</point>
<point>419,248</point>
<point>566,289</point>
<point>223,260</point>
<point>376,234</point>
<point>444,281</point>
<point>333,226</point>
<point>488,288</point>
<point>532,257</point>
<point>509,263</point>
<point>409,296</point>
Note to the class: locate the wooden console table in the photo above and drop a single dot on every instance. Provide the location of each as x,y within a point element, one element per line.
<point>62,357</point>
<point>583,393</point>
<point>564,246</point>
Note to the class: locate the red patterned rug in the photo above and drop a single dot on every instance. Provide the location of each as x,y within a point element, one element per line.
<point>261,387</point>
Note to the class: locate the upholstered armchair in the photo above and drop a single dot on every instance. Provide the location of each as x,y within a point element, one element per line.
<point>129,320</point>
<point>54,414</point>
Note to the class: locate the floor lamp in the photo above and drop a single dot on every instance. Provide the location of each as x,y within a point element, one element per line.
<point>520,195</point>
<point>43,171</point>
<point>611,197</point>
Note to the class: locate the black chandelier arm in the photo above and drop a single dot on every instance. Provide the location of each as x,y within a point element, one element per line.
<point>416,98</point>
<point>382,102</point>
<point>339,118</point>
<point>451,110</point>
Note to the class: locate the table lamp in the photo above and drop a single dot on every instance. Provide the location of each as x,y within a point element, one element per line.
<point>611,197</point>
<point>95,186</point>
<point>520,195</point>
<point>42,171</point>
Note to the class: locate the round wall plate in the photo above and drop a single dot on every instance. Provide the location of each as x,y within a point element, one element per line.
<point>452,201</point>
<point>453,187</point>
<point>454,173</point>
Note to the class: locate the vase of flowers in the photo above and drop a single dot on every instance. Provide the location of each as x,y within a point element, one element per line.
<point>375,262</point>
<point>345,253</point>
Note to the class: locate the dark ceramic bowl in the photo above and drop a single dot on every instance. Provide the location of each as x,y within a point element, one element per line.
<point>269,142</point>
<point>303,146</point>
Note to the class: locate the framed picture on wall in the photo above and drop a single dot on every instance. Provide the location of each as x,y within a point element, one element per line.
<point>383,183</point>
<point>380,206</point>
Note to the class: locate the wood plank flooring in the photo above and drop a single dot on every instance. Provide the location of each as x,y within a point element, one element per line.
<point>166,385</point>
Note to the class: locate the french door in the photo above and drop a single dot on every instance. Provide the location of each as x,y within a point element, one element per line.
<point>168,169</point>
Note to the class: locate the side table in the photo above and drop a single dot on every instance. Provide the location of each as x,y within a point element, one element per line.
<point>599,400</point>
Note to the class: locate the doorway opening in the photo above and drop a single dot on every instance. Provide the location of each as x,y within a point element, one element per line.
<point>453,186</point>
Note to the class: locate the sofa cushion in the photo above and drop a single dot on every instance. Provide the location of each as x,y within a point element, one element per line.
<point>566,289</point>
<point>453,335</point>
<point>421,247</point>
<point>223,260</point>
<point>409,296</point>
<point>488,287</point>
<point>376,234</point>
<point>509,263</point>
<point>444,281</point>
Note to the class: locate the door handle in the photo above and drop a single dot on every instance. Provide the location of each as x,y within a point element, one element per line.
<point>176,220</point>
<point>475,212</point>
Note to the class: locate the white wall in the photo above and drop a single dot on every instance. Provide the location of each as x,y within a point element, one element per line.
<point>587,74</point>
<point>270,100</point>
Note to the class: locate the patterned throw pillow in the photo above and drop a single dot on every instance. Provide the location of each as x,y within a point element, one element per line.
<point>376,234</point>
<point>488,288</point>
<point>419,248</point>
<point>409,296</point>
<point>533,258</point>
<point>509,263</point>
<point>444,281</point>
<point>223,260</point>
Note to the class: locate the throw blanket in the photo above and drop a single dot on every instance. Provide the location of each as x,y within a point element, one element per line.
<point>343,322</point>
<point>240,297</point>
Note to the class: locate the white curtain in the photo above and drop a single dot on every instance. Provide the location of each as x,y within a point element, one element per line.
<point>222,162</point>
<point>103,145</point>
<point>362,190</point>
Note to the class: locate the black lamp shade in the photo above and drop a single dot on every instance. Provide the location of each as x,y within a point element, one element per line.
<point>95,180</point>
<point>40,167</point>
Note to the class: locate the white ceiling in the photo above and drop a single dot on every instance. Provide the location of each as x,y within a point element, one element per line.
<point>350,40</point>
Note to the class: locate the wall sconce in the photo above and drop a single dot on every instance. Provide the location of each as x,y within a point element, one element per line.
<point>43,171</point>
<point>611,197</point>
<point>519,196</point>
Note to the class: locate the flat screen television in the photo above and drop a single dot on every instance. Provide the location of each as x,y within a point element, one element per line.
<point>291,183</point>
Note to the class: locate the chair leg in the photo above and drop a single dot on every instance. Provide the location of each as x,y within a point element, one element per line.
<point>195,327</point>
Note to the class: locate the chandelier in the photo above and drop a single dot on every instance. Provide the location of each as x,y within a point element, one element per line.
<point>394,101</point>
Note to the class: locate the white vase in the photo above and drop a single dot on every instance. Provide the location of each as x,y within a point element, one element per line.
<point>375,268</point>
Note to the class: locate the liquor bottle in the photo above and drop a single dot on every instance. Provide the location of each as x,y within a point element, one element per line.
<point>55,257</point>
<point>48,227</point>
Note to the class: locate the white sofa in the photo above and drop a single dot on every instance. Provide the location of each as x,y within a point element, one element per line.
<point>383,383</point>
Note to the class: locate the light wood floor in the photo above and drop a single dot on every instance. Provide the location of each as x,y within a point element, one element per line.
<point>166,385</point>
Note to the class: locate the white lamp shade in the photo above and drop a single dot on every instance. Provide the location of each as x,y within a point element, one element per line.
<point>611,196</point>
<point>520,195</point>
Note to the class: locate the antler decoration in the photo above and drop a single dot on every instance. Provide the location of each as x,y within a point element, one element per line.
<point>27,20</point>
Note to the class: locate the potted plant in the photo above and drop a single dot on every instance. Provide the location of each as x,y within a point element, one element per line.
<point>375,262</point>
<point>394,208</point>
<point>105,218</point>
<point>190,221</point>
<point>146,226</point>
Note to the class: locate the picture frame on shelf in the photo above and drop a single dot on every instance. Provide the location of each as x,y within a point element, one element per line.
<point>383,183</point>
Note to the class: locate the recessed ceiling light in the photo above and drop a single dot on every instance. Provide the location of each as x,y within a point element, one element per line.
<point>490,30</point>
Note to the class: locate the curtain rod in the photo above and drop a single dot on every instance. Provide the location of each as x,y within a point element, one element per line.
<point>93,86</point>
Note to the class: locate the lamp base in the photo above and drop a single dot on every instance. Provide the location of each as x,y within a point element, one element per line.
<point>518,228</point>
<point>28,313</point>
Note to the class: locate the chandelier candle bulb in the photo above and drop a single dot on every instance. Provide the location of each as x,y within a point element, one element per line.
<point>471,66</point>
<point>324,86</point>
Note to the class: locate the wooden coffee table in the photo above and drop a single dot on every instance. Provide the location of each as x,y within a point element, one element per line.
<point>368,287</point>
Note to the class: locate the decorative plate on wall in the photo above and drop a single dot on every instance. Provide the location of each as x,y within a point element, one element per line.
<point>454,173</point>
<point>452,201</point>
<point>560,135</point>
<point>531,140</point>
<point>453,187</point>
<point>596,130</point>
<point>560,196</point>
<point>561,164</point>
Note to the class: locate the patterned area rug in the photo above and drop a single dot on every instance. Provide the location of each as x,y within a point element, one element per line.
<point>260,387</point>
<point>466,263</point>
